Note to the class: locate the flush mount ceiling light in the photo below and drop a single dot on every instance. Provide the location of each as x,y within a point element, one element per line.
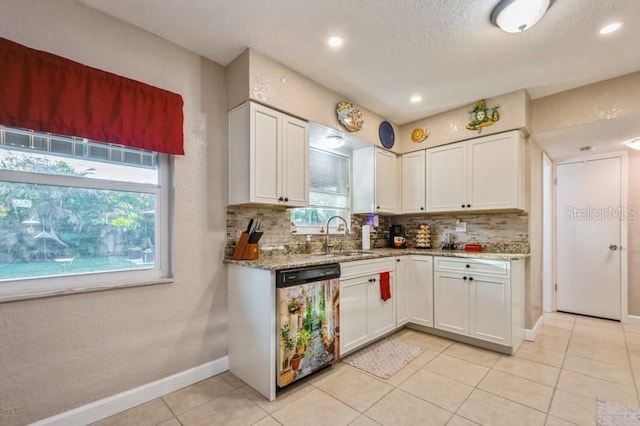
<point>333,142</point>
<point>633,143</point>
<point>514,16</point>
<point>611,28</point>
<point>335,42</point>
<point>415,99</point>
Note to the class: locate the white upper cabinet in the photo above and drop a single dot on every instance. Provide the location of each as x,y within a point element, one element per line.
<point>374,181</point>
<point>268,157</point>
<point>496,172</point>
<point>446,178</point>
<point>480,174</point>
<point>414,182</point>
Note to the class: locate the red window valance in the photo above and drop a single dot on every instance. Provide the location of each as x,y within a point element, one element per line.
<point>44,92</point>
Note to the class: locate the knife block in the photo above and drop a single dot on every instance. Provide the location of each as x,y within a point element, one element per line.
<point>244,250</point>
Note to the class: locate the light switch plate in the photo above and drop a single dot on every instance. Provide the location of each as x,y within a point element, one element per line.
<point>461,227</point>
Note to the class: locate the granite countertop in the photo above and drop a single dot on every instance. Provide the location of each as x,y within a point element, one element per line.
<point>299,260</point>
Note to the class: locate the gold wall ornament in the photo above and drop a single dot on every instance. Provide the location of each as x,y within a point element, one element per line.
<point>419,134</point>
<point>481,116</point>
<point>349,116</point>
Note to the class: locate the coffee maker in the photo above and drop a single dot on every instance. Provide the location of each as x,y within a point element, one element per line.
<point>396,231</point>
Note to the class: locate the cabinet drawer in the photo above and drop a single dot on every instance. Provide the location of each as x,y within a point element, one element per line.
<point>494,267</point>
<point>366,267</point>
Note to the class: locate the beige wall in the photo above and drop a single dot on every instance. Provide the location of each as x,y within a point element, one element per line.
<point>450,126</point>
<point>606,100</point>
<point>58,353</point>
<point>533,290</point>
<point>589,107</point>
<point>271,83</point>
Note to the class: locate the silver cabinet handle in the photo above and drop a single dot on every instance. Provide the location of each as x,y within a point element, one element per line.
<point>613,247</point>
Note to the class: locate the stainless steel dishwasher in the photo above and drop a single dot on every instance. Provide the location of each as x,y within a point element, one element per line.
<point>308,319</point>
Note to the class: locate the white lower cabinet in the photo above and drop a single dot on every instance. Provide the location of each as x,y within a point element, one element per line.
<point>483,299</point>
<point>364,316</point>
<point>452,298</point>
<point>414,290</point>
<point>403,273</point>
<point>420,290</point>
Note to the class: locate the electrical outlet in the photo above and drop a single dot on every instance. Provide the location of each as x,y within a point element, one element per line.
<point>461,226</point>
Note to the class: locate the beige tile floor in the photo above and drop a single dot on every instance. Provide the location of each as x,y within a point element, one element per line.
<point>553,381</point>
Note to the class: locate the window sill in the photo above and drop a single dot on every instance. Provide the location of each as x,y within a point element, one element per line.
<point>38,294</point>
<point>315,230</point>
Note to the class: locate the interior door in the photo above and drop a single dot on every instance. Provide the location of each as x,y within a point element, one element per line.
<point>588,225</point>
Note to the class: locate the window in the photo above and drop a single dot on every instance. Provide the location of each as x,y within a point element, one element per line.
<point>328,192</point>
<point>71,207</point>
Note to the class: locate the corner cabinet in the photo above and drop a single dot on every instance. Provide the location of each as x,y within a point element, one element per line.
<point>414,182</point>
<point>483,299</point>
<point>374,181</point>
<point>364,316</point>
<point>268,157</point>
<point>420,290</point>
<point>485,173</point>
<point>403,271</point>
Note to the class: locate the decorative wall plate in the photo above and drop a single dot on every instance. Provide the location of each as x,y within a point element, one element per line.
<point>386,134</point>
<point>481,116</point>
<point>349,116</point>
<point>419,134</point>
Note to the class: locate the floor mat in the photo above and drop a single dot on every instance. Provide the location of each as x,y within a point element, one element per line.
<point>384,358</point>
<point>611,414</point>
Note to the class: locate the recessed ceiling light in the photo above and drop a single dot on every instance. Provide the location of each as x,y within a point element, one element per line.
<point>416,99</point>
<point>587,148</point>
<point>611,28</point>
<point>335,42</point>
<point>633,143</point>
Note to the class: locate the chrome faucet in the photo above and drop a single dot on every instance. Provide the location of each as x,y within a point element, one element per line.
<point>346,231</point>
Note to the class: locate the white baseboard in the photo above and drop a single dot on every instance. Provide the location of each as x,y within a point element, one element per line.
<point>632,319</point>
<point>106,407</point>
<point>530,334</point>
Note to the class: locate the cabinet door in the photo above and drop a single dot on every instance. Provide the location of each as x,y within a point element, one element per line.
<point>421,291</point>
<point>413,182</point>
<point>490,309</point>
<point>402,287</point>
<point>382,314</point>
<point>353,313</point>
<point>265,151</point>
<point>446,178</point>
<point>451,302</point>
<point>496,178</point>
<point>295,162</point>
<point>385,182</point>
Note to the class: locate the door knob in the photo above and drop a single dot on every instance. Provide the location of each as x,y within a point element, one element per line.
<point>613,247</point>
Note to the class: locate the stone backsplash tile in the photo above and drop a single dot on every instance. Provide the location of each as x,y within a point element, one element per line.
<point>278,237</point>
<point>497,232</point>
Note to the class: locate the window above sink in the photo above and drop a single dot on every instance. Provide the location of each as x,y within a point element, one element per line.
<point>329,182</point>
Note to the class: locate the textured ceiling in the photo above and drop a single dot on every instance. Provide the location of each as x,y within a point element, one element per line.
<point>445,50</point>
